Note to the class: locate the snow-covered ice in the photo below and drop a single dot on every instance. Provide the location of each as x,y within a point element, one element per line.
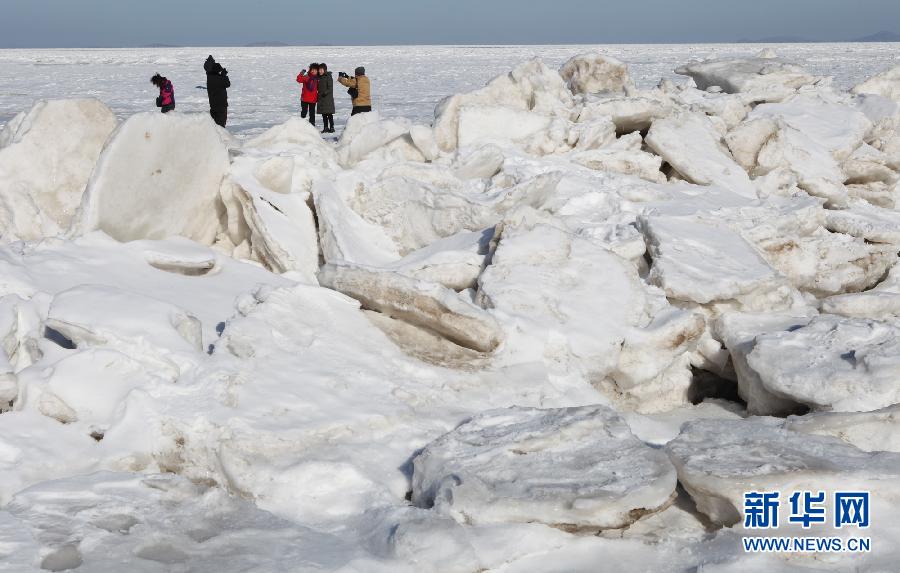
<point>556,313</point>
<point>46,158</point>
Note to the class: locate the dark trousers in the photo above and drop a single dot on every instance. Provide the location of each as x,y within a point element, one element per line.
<point>328,121</point>
<point>220,116</point>
<point>360,109</point>
<point>308,108</point>
<point>167,108</point>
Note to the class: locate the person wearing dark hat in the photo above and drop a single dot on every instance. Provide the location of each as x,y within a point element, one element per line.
<point>326,98</point>
<point>360,90</point>
<point>166,99</point>
<point>217,84</point>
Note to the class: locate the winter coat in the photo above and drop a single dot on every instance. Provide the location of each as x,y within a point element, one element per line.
<point>362,84</point>
<point>166,94</point>
<point>217,85</point>
<point>326,94</point>
<point>310,88</point>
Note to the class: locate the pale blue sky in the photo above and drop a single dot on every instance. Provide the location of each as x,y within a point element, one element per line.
<point>84,23</point>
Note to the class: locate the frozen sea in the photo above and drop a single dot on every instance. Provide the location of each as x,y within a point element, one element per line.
<point>408,80</point>
<point>581,339</point>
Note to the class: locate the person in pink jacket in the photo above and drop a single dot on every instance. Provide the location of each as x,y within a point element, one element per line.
<point>166,99</point>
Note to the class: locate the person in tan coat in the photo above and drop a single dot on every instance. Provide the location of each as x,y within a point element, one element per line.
<point>360,90</point>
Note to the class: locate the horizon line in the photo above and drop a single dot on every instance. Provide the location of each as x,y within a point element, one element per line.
<point>276,44</point>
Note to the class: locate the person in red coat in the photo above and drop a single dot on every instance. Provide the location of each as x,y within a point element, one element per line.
<point>309,97</point>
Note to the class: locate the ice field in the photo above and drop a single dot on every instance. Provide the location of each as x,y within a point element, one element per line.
<point>546,309</point>
<point>409,81</point>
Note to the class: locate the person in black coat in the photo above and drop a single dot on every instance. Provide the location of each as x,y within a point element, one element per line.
<point>326,98</point>
<point>217,84</point>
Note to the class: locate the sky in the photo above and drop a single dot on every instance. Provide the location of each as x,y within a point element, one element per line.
<point>110,23</point>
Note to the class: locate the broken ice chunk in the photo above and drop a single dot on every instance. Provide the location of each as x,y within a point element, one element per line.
<point>877,431</point>
<point>764,79</point>
<point>885,84</point>
<point>718,461</point>
<point>423,304</point>
<point>690,144</point>
<point>568,467</point>
<point>595,72</point>
<point>46,163</point>
<point>834,363</point>
<point>702,261</point>
<point>158,176</point>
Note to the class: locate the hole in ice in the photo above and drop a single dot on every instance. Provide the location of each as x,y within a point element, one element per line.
<point>706,385</point>
<point>98,435</point>
<point>62,559</point>
<point>162,553</point>
<point>220,328</point>
<point>58,338</point>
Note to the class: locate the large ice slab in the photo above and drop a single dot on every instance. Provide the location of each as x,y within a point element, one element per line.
<point>455,262</point>
<point>595,72</point>
<point>691,145</point>
<point>486,124</point>
<point>573,467</point>
<point>45,165</point>
<point>156,523</point>
<point>877,431</point>
<point>739,332</point>
<point>344,236</point>
<point>159,176</point>
<point>765,79</point>
<point>581,308</point>
<point>704,261</point>
<point>629,114</point>
<point>881,302</point>
<point>824,263</point>
<point>282,227</point>
<point>531,86</point>
<point>866,221</point>
<point>719,461</point>
<point>369,134</point>
<point>428,305</point>
<point>812,163</point>
<point>416,212</point>
<point>838,128</point>
<point>834,363</point>
<point>885,84</point>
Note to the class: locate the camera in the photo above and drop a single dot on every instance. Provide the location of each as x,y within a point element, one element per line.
<point>343,75</point>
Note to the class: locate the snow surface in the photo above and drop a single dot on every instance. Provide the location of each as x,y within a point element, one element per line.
<point>547,309</point>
